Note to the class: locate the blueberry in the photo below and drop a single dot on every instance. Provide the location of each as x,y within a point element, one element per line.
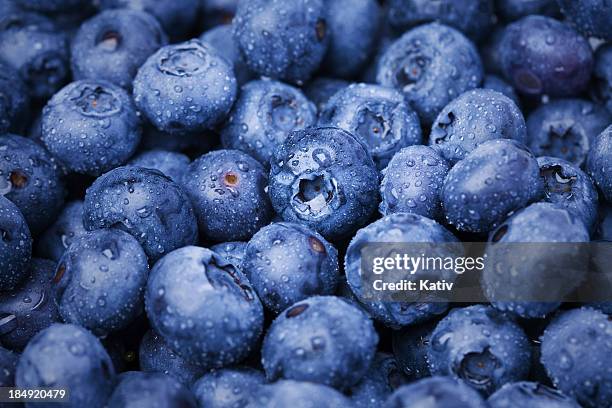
<point>221,39</point>
<point>233,252</point>
<point>473,118</point>
<point>410,349</point>
<point>473,17</point>
<point>576,355</point>
<point>172,164</point>
<point>602,75</point>
<point>114,44</point>
<point>570,188</point>
<point>498,177</point>
<point>287,262</point>
<point>383,377</point>
<point>197,301</point>
<point>541,55</point>
<point>228,191</point>
<point>412,182</point>
<point>145,203</point>
<point>263,115</point>
<point>8,363</point>
<point>67,356</point>
<point>379,116</point>
<point>178,18</point>
<point>490,51</point>
<point>156,356</point>
<point>603,231</point>
<point>31,179</point>
<point>529,394</point>
<point>524,268</point>
<point>14,100</point>
<point>404,228</point>
<point>435,392</point>
<point>282,39</point>
<point>514,9</point>
<point>30,308</point>
<point>599,165</point>
<point>86,280</point>
<point>67,228</point>
<point>218,12</point>
<point>287,393</point>
<point>168,87</point>
<point>320,89</point>
<point>138,389</point>
<point>353,30</point>
<point>323,339</point>
<point>481,346</point>
<point>431,64</point>
<point>191,144</point>
<point>566,128</point>
<point>497,84</point>
<point>15,246</point>
<point>91,126</point>
<point>32,45</point>
<point>590,17</point>
<point>229,387</point>
<point>324,178</point>
<point>53,6</point>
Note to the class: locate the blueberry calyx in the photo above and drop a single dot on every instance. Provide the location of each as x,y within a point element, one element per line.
<point>316,245</point>
<point>185,61</point>
<point>283,113</point>
<point>109,41</point>
<point>476,368</point>
<point>556,181</point>
<point>18,179</point>
<point>96,101</point>
<point>315,195</point>
<point>527,81</point>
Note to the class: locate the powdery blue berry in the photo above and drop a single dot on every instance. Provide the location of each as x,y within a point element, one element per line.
<point>228,387</point>
<point>15,245</point>
<point>599,165</point>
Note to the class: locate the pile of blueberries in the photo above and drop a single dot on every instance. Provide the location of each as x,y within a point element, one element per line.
<point>186,187</point>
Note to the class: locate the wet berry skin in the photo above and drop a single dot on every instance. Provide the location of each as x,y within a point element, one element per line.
<point>172,164</point>
<point>32,45</point>
<point>404,228</point>
<point>227,189</point>
<point>569,187</point>
<point>590,17</point>
<point>412,182</point>
<point>531,394</point>
<point>176,17</point>
<point>68,356</point>
<point>31,178</point>
<point>537,223</point>
<point>221,39</point>
<point>233,252</point>
<point>15,245</point>
<point>473,118</point>
<point>155,356</point>
<point>196,301</point>
<point>322,339</point>
<point>498,177</point>
<point>91,126</point>
<point>353,31</point>
<point>496,83</point>
<point>431,64</point>
<point>383,377</point>
<point>87,276</point>
<point>379,116</point>
<point>474,18</point>
<point>14,100</point>
<point>540,55</point>
<point>288,393</point>
<point>30,308</point>
<point>168,87</point>
<point>576,355</point>
<point>601,89</point>
<point>282,39</point>
<point>67,227</point>
<point>138,389</point>
<point>481,346</point>
<point>441,391</point>
<point>264,114</point>
<point>112,46</point>
<point>288,262</point>
<point>8,363</point>
<point>566,128</point>
<point>599,165</point>
<point>144,203</point>
<point>228,387</point>
<point>324,178</point>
